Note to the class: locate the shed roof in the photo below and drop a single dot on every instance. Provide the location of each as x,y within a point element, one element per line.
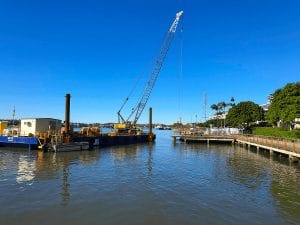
<point>40,119</point>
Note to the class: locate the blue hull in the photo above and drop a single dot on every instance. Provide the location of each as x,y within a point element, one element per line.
<point>27,142</point>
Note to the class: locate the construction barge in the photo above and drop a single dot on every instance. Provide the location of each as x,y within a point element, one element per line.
<point>75,143</point>
<point>47,134</point>
<point>82,143</point>
<point>126,130</point>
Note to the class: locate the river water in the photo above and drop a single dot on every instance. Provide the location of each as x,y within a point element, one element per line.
<point>162,183</point>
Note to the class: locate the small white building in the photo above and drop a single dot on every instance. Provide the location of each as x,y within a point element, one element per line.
<point>35,126</point>
<point>297,123</point>
<point>220,116</point>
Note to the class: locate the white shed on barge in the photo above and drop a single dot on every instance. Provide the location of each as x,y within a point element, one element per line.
<point>35,126</point>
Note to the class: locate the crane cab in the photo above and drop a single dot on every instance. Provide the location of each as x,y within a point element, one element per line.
<point>120,126</point>
<point>126,129</point>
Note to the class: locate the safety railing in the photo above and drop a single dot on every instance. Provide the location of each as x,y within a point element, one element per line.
<point>292,145</point>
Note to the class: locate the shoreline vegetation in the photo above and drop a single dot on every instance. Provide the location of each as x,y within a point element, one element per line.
<point>279,118</point>
<point>276,132</point>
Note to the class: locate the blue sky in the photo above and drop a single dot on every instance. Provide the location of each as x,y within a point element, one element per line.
<point>96,50</point>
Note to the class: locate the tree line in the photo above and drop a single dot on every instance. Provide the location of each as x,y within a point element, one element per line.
<point>284,108</point>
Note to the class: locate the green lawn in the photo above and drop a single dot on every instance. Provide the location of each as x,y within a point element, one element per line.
<point>276,132</point>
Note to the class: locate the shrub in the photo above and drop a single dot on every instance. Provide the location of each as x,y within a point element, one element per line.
<point>276,132</point>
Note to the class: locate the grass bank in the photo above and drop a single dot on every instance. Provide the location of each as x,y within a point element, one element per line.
<point>276,132</point>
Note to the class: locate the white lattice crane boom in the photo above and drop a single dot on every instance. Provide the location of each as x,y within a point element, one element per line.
<point>138,109</point>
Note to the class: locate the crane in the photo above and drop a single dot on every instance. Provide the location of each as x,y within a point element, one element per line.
<point>138,109</point>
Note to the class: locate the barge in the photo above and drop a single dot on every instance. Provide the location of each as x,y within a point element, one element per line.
<point>47,134</point>
<point>96,142</point>
<point>103,140</point>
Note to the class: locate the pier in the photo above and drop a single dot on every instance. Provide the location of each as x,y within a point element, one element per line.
<point>288,147</point>
<point>205,138</point>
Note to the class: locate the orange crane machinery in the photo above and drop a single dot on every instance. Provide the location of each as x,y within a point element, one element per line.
<point>128,124</point>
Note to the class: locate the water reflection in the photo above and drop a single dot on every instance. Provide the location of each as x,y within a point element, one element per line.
<point>26,168</point>
<point>32,167</point>
<point>247,168</point>
<point>123,153</point>
<point>285,188</point>
<point>1,161</point>
<point>150,158</point>
<point>133,153</point>
<point>65,187</point>
<point>176,184</point>
<point>253,169</point>
<point>50,165</point>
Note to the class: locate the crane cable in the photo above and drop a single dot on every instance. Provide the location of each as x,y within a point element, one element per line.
<point>142,75</point>
<point>180,69</point>
<point>136,84</point>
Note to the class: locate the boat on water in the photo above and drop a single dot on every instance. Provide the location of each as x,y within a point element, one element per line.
<point>163,127</point>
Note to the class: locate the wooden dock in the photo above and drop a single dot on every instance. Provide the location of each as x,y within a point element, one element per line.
<point>205,138</point>
<point>288,147</point>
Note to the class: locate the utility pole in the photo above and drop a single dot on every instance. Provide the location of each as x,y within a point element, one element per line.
<point>204,106</point>
<point>13,120</point>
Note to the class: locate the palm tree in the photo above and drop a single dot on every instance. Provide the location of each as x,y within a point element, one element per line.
<point>222,105</point>
<point>214,107</point>
<point>232,101</point>
<point>220,109</point>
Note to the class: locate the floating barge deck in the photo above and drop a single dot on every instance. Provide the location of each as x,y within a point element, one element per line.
<point>102,140</point>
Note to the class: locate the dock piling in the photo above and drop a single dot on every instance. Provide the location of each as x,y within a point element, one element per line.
<point>150,124</point>
<point>67,114</point>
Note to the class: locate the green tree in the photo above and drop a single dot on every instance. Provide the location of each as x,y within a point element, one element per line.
<point>285,104</point>
<point>222,106</point>
<point>218,109</point>
<point>232,102</point>
<point>244,113</point>
<point>215,107</point>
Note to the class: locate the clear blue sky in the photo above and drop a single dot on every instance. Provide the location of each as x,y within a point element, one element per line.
<point>96,50</point>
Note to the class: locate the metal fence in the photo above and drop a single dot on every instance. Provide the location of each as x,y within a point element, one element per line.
<point>224,131</point>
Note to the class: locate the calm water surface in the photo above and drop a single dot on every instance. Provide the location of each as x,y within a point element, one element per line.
<point>163,183</point>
